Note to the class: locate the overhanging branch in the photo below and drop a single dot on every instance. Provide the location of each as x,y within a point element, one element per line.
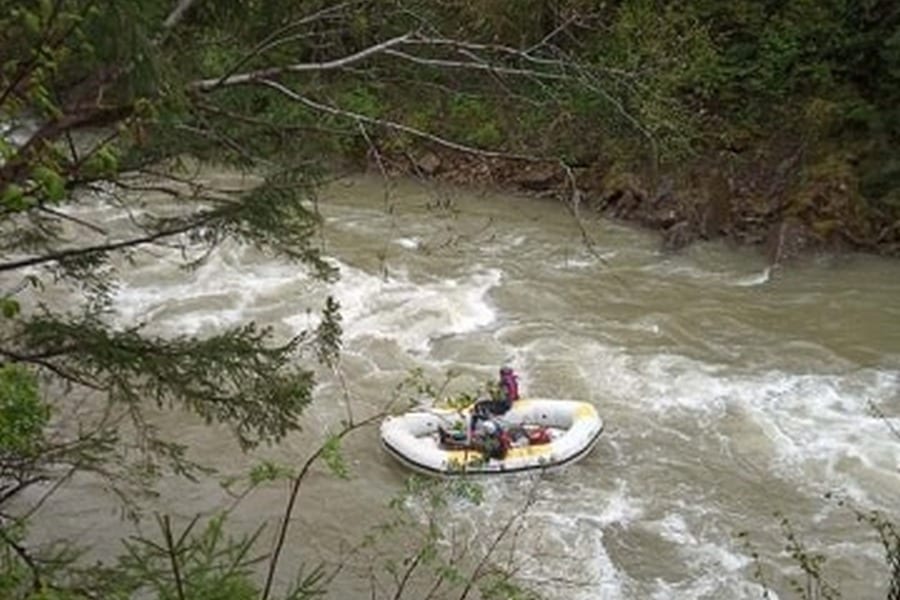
<point>333,110</point>
<point>206,85</point>
<point>102,248</point>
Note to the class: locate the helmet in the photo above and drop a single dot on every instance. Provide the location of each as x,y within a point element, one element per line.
<point>489,427</point>
<point>506,370</point>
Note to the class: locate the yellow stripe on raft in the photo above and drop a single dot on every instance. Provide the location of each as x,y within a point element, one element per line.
<point>469,456</point>
<point>585,411</point>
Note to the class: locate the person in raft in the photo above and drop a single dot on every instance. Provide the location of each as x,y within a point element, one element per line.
<point>502,396</point>
<point>492,439</point>
<point>482,426</point>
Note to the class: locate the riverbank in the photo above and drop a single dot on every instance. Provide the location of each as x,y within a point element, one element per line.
<point>774,203</point>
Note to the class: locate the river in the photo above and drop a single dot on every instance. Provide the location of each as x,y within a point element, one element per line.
<point>730,393</point>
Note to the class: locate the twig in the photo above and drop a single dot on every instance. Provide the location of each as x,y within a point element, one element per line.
<point>477,66</point>
<point>172,551</point>
<point>482,563</point>
<point>60,371</point>
<point>292,500</point>
<point>876,410</point>
<point>273,40</point>
<point>177,13</point>
<point>74,219</point>
<point>559,28</point>
<point>394,125</point>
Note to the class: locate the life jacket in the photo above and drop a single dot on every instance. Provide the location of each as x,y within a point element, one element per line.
<point>510,384</point>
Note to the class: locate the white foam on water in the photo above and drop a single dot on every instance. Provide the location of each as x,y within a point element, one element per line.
<point>574,517</point>
<point>414,313</point>
<point>817,421</point>
<point>674,528</point>
<point>408,243</point>
<point>718,569</point>
<point>819,427</point>
<point>704,588</point>
<point>583,505</point>
<point>753,280</point>
<point>586,261</point>
<point>561,545</point>
<point>223,291</point>
<point>674,270</point>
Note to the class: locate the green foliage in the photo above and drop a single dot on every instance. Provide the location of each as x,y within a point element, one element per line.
<point>328,333</point>
<point>23,416</point>
<point>210,565</point>
<point>502,588</point>
<point>436,559</point>
<point>473,121</point>
<point>268,471</point>
<point>361,100</point>
<point>16,580</point>
<point>232,378</point>
<point>334,458</point>
<point>9,307</point>
<point>14,198</point>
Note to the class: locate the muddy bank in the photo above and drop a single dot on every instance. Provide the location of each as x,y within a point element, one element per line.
<point>785,208</point>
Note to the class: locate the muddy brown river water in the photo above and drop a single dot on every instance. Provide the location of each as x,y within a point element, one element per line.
<point>730,392</point>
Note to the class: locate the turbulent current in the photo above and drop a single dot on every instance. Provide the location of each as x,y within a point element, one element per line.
<point>733,395</point>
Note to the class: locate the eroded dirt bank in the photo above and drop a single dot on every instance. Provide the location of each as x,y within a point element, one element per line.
<point>761,201</point>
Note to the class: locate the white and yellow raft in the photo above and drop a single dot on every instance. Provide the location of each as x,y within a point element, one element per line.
<point>413,438</point>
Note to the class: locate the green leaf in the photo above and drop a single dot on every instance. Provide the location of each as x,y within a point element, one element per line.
<point>9,307</point>
<point>14,197</point>
<point>32,22</point>
<point>22,414</point>
<point>269,471</point>
<point>51,182</point>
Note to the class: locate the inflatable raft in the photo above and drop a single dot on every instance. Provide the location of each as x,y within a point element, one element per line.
<point>568,431</point>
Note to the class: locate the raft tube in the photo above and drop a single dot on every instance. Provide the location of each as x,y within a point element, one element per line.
<point>412,438</point>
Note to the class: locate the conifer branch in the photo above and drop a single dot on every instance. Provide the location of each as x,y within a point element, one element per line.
<point>95,249</point>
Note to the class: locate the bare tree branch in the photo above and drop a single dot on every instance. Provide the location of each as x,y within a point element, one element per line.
<point>477,66</point>
<point>279,37</point>
<point>501,535</point>
<point>252,76</point>
<point>394,125</point>
<point>559,29</point>
<point>177,13</point>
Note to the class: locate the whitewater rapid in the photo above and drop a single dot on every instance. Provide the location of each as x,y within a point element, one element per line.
<point>730,392</point>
